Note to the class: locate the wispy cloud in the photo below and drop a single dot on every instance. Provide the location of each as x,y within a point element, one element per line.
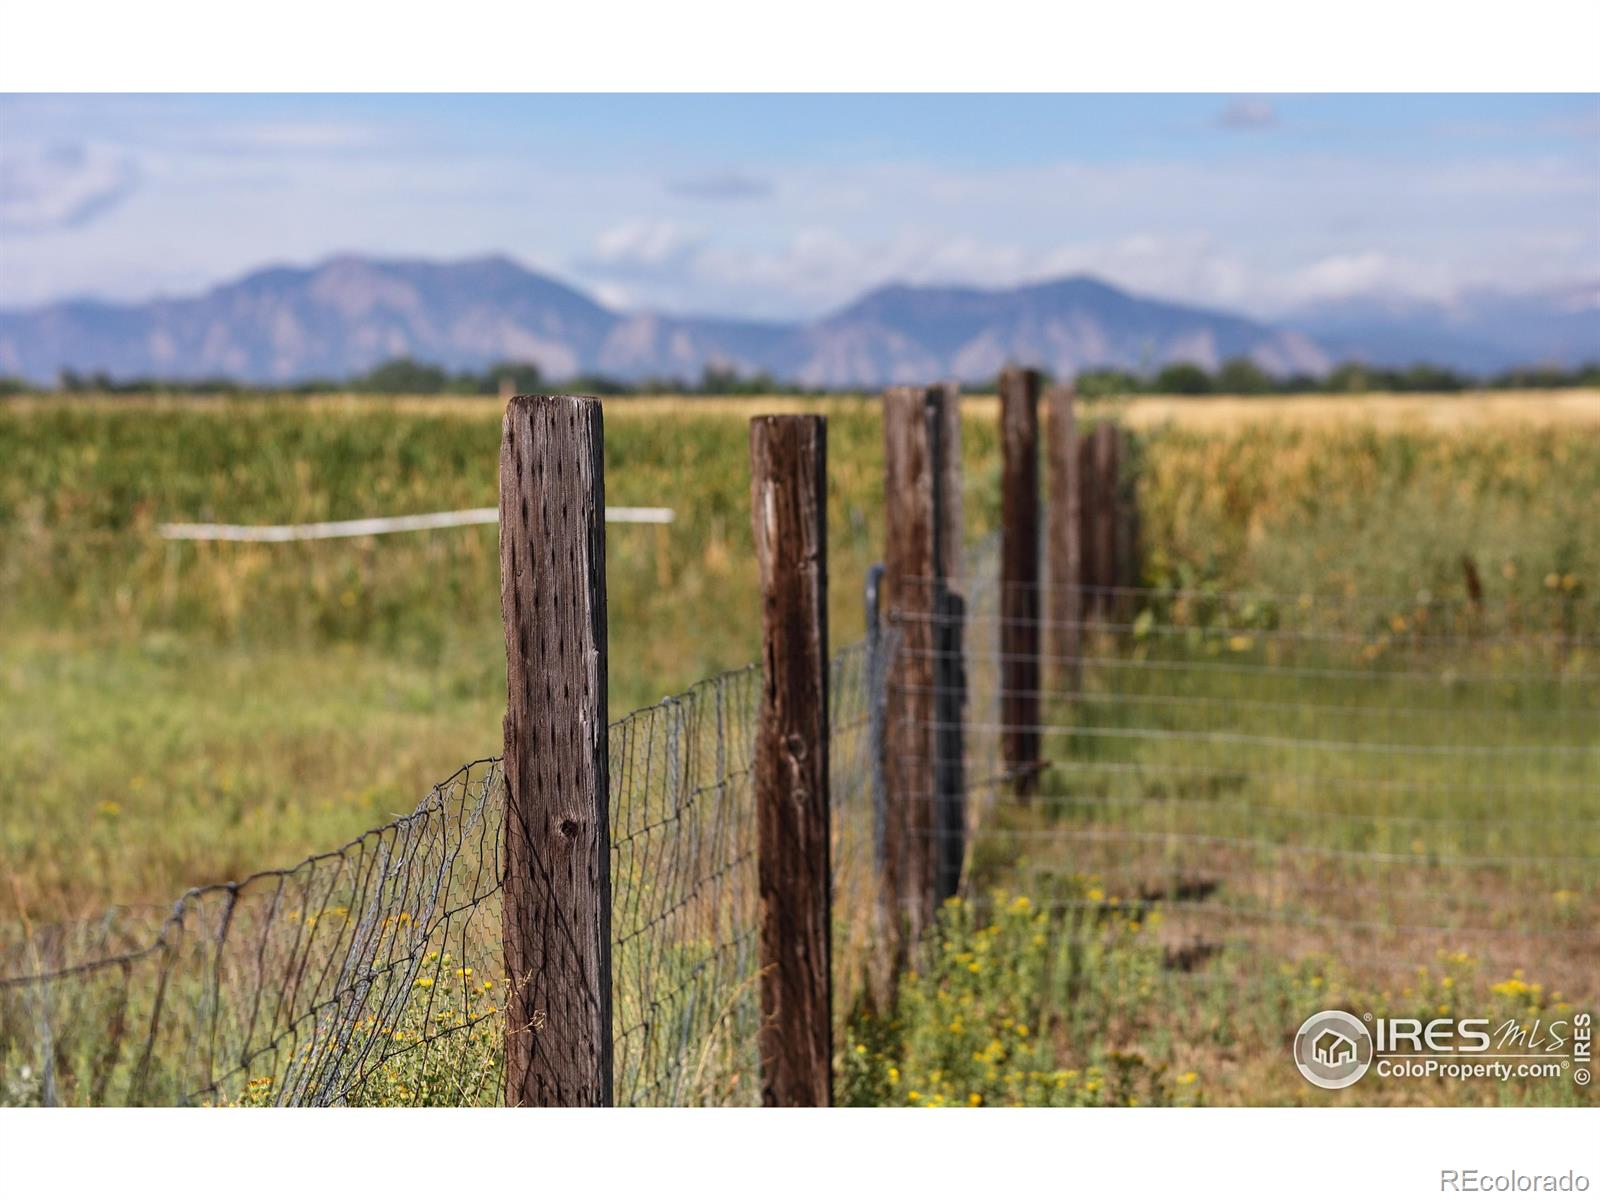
<point>1247,113</point>
<point>730,185</point>
<point>279,140</point>
<point>1364,273</point>
<point>644,246</point>
<point>303,135</point>
<point>61,185</point>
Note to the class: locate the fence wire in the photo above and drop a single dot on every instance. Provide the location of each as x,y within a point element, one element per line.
<point>1374,789</point>
<point>374,974</point>
<point>685,886</point>
<point>1260,788</point>
<point>369,974</point>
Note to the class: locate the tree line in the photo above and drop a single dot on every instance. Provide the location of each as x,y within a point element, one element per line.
<point>1235,377</point>
<point>1243,377</point>
<point>410,377</point>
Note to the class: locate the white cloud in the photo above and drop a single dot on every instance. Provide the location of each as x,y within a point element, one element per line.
<point>643,245</point>
<point>1365,272</point>
<point>61,185</point>
<point>820,268</point>
<point>1184,265</point>
<point>615,296</point>
<point>1261,235</point>
<point>728,185</point>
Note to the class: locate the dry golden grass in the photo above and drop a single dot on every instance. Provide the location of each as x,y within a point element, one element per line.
<point>1386,410</point>
<point>1422,410</point>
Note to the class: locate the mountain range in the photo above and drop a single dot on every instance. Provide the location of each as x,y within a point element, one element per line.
<point>343,316</point>
<point>1480,332</point>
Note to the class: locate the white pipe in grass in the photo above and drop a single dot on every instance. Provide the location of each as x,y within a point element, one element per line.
<point>372,525</point>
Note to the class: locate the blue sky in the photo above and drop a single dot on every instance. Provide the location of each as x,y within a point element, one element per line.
<point>786,206</point>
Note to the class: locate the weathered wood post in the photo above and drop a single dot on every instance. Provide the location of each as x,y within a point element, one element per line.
<point>1088,546</point>
<point>1019,577</point>
<point>557,903</point>
<point>949,665</point>
<point>788,496</point>
<point>1064,550</point>
<point>1128,534</point>
<point>908,720</point>
<point>1104,518</point>
<point>923,743</point>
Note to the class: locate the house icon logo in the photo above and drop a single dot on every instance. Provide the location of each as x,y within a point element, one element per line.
<point>1333,1049</point>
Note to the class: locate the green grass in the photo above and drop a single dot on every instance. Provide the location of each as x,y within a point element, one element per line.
<point>205,710</point>
<point>134,770</point>
<point>182,714</point>
<point>1255,809</point>
<point>1017,1005</point>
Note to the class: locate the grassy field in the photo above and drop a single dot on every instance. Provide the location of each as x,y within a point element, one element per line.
<point>1243,821</point>
<point>179,714</point>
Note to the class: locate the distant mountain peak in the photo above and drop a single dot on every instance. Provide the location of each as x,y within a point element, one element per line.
<point>344,314</point>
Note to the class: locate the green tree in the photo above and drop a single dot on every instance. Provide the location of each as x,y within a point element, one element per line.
<point>1241,377</point>
<point>1106,381</point>
<point>404,376</point>
<point>1350,377</point>
<point>595,385</point>
<point>721,380</point>
<point>525,378</point>
<point>1425,377</point>
<point>1183,379</point>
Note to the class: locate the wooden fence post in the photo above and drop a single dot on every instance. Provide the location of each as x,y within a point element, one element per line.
<point>949,613</point>
<point>1088,546</point>
<point>1104,518</point>
<point>557,904</point>
<point>1129,536</point>
<point>906,596</point>
<point>1065,551</point>
<point>1019,577</point>
<point>788,495</point>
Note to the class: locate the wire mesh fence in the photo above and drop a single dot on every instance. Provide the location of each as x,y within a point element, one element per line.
<point>686,890</point>
<point>1380,794</point>
<point>374,974</point>
<point>1215,794</point>
<point>684,897</point>
<point>363,975</point>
